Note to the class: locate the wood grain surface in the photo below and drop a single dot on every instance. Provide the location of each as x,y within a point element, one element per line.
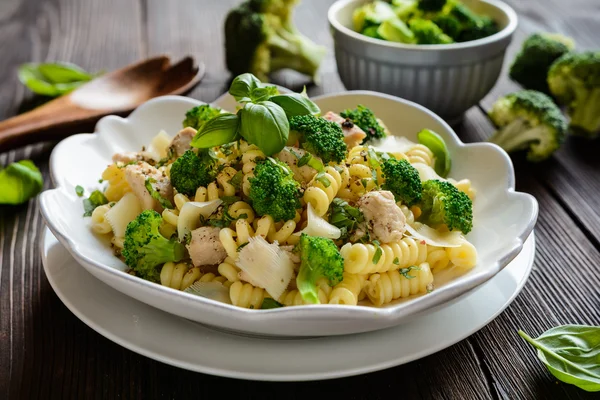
<point>46,352</point>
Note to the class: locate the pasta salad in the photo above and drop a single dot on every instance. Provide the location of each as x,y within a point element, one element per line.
<point>282,204</point>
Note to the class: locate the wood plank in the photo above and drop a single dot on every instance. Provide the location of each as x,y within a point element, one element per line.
<point>562,289</point>
<point>571,173</point>
<point>33,360</point>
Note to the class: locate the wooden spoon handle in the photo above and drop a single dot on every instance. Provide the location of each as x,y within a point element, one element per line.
<point>51,121</point>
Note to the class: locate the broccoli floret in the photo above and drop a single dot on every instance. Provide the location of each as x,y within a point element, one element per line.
<point>191,170</point>
<point>395,30</point>
<point>528,120</point>
<point>431,5</point>
<point>273,190</point>
<point>372,31</point>
<point>574,80</point>
<point>145,248</point>
<point>443,204</point>
<point>402,179</point>
<point>364,118</point>
<point>427,32</point>
<point>260,38</point>
<point>342,215</point>
<point>462,24</point>
<point>320,259</point>
<point>323,138</point>
<point>372,14</point>
<point>539,51</point>
<point>197,116</point>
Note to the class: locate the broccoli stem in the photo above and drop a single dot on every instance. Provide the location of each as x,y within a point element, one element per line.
<point>585,117</point>
<point>508,133</point>
<point>295,51</point>
<point>306,284</point>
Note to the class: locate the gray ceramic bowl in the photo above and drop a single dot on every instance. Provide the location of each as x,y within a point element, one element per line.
<point>447,79</point>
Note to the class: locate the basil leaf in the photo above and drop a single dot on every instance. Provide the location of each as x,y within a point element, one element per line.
<point>63,72</point>
<point>96,199</point>
<point>265,125</point>
<point>436,144</point>
<point>296,104</point>
<point>571,354</point>
<point>242,87</point>
<point>20,181</point>
<point>269,303</point>
<point>52,79</point>
<point>263,93</point>
<point>220,130</point>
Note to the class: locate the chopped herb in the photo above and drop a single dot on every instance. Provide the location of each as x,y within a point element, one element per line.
<point>338,168</point>
<point>396,261</point>
<point>405,271</point>
<point>345,217</point>
<point>321,178</point>
<point>229,200</point>
<point>96,199</point>
<point>298,156</point>
<point>364,182</point>
<point>227,149</point>
<point>243,216</point>
<point>269,303</point>
<point>79,190</point>
<point>100,180</point>
<point>165,203</point>
<point>313,162</point>
<point>236,180</point>
<point>241,246</point>
<point>378,251</point>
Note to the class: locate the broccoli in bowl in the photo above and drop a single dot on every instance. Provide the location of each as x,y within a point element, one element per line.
<point>422,22</point>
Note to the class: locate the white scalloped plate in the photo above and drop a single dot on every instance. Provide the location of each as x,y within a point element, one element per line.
<point>503,218</point>
<point>185,344</point>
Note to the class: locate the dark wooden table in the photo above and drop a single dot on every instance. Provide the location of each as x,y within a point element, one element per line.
<point>46,352</point>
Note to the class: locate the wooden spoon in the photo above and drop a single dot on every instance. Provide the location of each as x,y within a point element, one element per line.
<point>117,92</point>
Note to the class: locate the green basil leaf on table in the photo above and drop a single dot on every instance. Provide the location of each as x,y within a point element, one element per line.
<point>222,129</point>
<point>265,125</point>
<point>242,86</point>
<point>296,104</point>
<point>571,353</point>
<point>437,145</point>
<point>52,79</point>
<point>95,200</point>
<point>20,181</point>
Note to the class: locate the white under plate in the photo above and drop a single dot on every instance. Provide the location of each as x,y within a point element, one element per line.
<point>189,345</point>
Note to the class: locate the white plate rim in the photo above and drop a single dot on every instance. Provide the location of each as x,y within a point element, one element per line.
<point>279,377</point>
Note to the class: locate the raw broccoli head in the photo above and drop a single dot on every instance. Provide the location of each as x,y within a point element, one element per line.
<point>191,170</point>
<point>574,80</point>
<point>320,259</point>
<point>372,15</point>
<point>260,38</point>
<point>364,118</point>
<point>323,138</point>
<point>402,179</point>
<point>443,204</point>
<point>463,25</point>
<point>145,248</point>
<point>427,32</point>
<point>431,5</point>
<point>273,190</point>
<point>528,120</point>
<point>197,116</point>
<point>539,51</point>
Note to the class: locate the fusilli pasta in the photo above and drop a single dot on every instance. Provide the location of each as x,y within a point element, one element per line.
<point>367,258</point>
<point>388,286</point>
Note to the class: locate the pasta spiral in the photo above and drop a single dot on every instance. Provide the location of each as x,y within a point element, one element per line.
<point>359,258</point>
<point>437,258</point>
<point>99,223</point>
<point>117,184</point>
<point>251,154</point>
<point>180,276</point>
<point>420,154</point>
<point>348,290</point>
<point>319,195</point>
<point>245,295</point>
<point>464,257</point>
<point>388,286</point>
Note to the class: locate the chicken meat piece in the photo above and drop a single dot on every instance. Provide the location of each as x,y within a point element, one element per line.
<point>385,220</point>
<point>126,157</point>
<point>205,247</point>
<point>182,141</point>
<point>353,135</point>
<point>137,174</point>
<point>301,174</point>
